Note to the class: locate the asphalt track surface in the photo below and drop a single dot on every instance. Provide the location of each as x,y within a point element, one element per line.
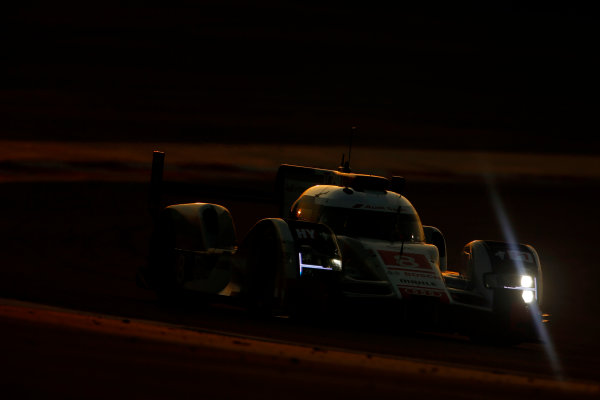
<point>77,246</point>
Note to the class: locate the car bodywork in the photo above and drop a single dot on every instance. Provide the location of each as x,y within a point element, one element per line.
<point>343,242</point>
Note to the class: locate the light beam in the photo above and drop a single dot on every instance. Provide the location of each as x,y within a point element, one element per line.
<point>510,238</point>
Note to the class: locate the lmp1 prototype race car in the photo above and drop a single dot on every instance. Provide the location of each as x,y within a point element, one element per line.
<point>344,242</point>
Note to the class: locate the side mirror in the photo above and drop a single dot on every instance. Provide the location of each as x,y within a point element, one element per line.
<point>435,237</point>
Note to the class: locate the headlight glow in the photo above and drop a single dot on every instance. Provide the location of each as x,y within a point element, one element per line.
<point>336,264</point>
<point>528,296</point>
<point>526,281</point>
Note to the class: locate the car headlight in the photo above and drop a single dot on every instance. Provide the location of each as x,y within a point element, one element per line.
<point>509,281</point>
<point>526,281</point>
<point>309,260</point>
<point>336,264</point>
<point>528,296</point>
<point>526,284</point>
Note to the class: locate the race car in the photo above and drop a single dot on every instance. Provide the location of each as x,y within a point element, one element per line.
<point>344,242</point>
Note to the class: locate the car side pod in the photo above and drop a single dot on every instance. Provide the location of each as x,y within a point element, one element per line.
<point>187,249</point>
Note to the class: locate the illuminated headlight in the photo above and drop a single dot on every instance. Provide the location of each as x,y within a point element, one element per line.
<point>309,261</point>
<point>509,281</point>
<point>528,296</point>
<point>526,281</point>
<point>336,264</point>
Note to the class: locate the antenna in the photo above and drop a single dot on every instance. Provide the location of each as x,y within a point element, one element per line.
<point>345,166</point>
<point>352,132</point>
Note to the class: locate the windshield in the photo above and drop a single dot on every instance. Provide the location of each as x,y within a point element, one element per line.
<point>379,225</point>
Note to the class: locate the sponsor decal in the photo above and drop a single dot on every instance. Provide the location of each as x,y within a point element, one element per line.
<point>380,208</point>
<point>515,255</point>
<point>305,233</point>
<point>416,282</point>
<point>413,291</point>
<point>404,260</point>
<point>418,274</point>
<point>413,275</point>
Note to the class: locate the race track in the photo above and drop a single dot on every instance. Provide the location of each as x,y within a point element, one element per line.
<point>60,353</point>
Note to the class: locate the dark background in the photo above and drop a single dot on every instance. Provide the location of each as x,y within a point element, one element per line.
<point>493,76</point>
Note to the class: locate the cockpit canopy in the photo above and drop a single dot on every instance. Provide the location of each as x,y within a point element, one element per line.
<point>372,214</point>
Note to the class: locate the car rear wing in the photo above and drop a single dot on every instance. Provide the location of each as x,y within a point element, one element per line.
<point>293,180</point>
